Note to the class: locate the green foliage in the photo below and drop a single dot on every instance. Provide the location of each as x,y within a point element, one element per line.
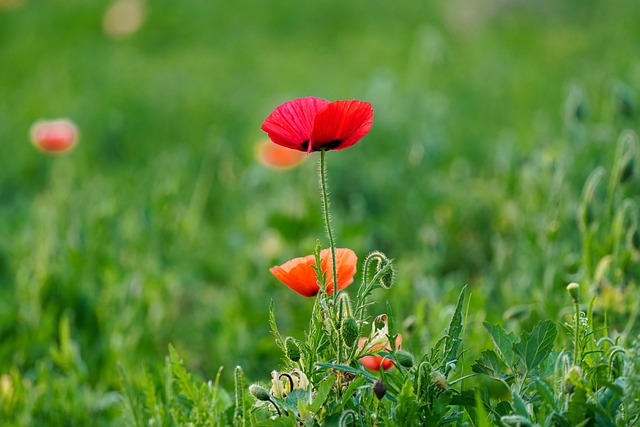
<point>488,165</point>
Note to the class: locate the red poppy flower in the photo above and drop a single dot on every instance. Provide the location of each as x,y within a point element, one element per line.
<point>311,124</point>
<point>299,275</point>
<point>54,136</point>
<point>373,362</point>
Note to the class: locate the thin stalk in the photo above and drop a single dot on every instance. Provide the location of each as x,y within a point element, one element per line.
<point>577,357</point>
<point>327,221</point>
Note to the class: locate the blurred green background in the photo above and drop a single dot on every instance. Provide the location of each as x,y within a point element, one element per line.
<point>161,225</point>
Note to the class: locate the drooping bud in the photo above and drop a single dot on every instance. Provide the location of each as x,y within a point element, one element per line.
<point>624,102</point>
<point>574,291</point>
<point>259,392</point>
<point>575,106</point>
<point>404,358</point>
<point>349,331</point>
<point>388,276</point>
<point>627,168</point>
<point>440,380</point>
<point>572,379</point>
<point>292,350</point>
<point>379,389</point>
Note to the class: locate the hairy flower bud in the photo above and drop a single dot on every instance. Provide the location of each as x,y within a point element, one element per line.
<point>627,169</point>
<point>440,380</point>
<point>292,350</point>
<point>572,379</point>
<point>574,291</point>
<point>379,389</point>
<point>349,331</point>
<point>259,392</point>
<point>404,358</point>
<point>388,277</point>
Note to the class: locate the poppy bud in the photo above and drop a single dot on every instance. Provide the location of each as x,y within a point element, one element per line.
<point>575,106</point>
<point>627,168</point>
<point>572,379</point>
<point>574,291</point>
<point>292,350</point>
<point>54,136</point>
<point>404,358</point>
<point>259,392</point>
<point>379,389</point>
<point>624,100</point>
<point>388,277</point>
<point>440,380</point>
<point>349,331</point>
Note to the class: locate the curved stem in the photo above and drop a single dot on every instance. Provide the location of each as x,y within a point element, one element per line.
<point>327,221</point>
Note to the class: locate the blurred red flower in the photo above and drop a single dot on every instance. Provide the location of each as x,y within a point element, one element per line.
<point>54,136</point>
<point>277,156</point>
<point>299,273</point>
<point>311,124</point>
<point>373,362</point>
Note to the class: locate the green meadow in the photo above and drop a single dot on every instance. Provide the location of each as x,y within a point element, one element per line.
<point>502,156</point>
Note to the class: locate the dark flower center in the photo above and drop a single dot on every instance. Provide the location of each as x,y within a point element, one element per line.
<point>327,145</point>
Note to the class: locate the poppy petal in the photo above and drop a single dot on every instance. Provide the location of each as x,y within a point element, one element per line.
<point>341,124</point>
<point>291,123</point>
<point>299,275</point>
<point>346,260</point>
<point>374,362</point>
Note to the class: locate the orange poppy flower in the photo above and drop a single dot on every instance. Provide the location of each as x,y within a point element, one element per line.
<point>312,124</point>
<point>299,273</point>
<point>373,362</point>
<point>54,136</point>
<point>277,156</point>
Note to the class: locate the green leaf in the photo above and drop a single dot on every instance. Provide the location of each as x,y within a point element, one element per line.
<point>322,391</point>
<point>533,347</point>
<point>502,341</point>
<point>407,409</point>
<point>454,330</point>
<point>489,364</point>
<point>274,327</point>
<point>481,411</point>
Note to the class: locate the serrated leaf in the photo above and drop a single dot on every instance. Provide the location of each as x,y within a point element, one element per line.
<point>407,409</point>
<point>274,327</point>
<point>502,341</point>
<point>533,347</point>
<point>489,364</point>
<point>454,330</point>
<point>546,394</point>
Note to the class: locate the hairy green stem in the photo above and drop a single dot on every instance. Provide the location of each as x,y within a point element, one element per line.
<point>327,220</point>
<point>334,269</point>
